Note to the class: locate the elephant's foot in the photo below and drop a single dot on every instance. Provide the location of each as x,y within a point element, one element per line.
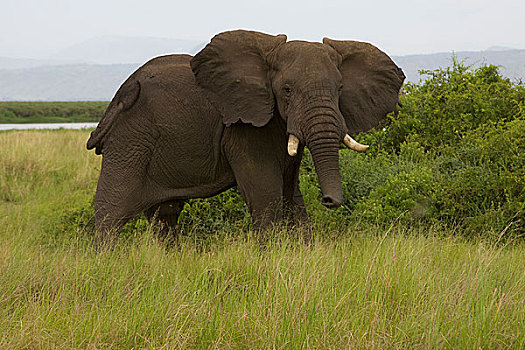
<point>298,222</point>
<point>106,232</point>
<point>300,232</point>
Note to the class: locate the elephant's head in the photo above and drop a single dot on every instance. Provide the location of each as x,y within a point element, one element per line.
<point>322,91</point>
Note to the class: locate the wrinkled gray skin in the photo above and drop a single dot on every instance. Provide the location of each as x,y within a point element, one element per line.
<point>184,127</point>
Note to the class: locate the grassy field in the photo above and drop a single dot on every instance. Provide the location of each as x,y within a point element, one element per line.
<point>51,112</point>
<point>356,287</point>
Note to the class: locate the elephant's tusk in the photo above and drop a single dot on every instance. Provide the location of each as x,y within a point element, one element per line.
<point>352,144</point>
<point>293,143</point>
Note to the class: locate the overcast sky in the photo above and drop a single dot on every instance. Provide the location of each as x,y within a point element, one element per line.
<point>39,27</point>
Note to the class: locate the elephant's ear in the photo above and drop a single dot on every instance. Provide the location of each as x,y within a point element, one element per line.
<point>371,84</point>
<point>233,72</point>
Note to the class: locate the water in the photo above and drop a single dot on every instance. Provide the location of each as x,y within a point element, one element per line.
<point>48,126</point>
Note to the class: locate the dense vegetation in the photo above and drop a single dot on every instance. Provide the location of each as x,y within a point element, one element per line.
<point>425,253</point>
<point>51,112</point>
<point>455,155</point>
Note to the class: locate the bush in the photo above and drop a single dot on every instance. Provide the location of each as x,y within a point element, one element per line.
<point>458,147</point>
<point>205,215</point>
<point>451,103</point>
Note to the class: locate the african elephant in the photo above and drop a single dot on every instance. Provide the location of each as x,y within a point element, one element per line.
<point>238,113</point>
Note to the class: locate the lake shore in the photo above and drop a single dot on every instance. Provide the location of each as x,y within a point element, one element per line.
<point>41,126</point>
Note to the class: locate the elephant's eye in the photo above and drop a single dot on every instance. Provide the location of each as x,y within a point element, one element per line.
<point>340,89</point>
<point>287,90</point>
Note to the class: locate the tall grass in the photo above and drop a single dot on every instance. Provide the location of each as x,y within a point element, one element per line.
<point>353,288</point>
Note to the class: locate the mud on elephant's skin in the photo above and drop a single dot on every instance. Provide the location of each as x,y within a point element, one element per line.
<point>240,112</point>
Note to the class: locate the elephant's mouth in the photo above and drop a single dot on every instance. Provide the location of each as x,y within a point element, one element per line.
<point>293,144</point>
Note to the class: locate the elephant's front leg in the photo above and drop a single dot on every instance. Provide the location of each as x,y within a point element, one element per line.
<point>254,155</point>
<point>261,186</point>
<point>295,209</point>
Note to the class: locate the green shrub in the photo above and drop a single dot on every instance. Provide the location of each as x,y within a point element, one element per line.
<point>490,183</point>
<point>51,112</point>
<point>451,103</point>
<point>458,147</point>
<point>206,215</point>
<point>406,190</point>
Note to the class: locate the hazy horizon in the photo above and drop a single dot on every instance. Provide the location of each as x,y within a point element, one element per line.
<point>401,28</point>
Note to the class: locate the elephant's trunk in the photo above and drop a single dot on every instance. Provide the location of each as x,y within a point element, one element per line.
<point>322,139</point>
<point>325,153</point>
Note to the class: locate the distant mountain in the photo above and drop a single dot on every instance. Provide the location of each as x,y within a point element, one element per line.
<point>501,48</point>
<point>512,62</point>
<point>90,70</point>
<point>108,50</point>
<point>19,63</point>
<point>51,80</point>
<point>118,50</point>
<point>80,82</point>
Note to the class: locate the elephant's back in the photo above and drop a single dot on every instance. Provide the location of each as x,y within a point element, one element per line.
<point>173,60</point>
<point>171,73</point>
<point>170,95</point>
<point>166,64</point>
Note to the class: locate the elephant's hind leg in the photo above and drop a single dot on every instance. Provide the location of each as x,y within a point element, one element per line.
<point>118,199</point>
<point>166,214</point>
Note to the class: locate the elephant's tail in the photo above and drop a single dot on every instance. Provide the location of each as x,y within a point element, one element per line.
<point>125,97</point>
